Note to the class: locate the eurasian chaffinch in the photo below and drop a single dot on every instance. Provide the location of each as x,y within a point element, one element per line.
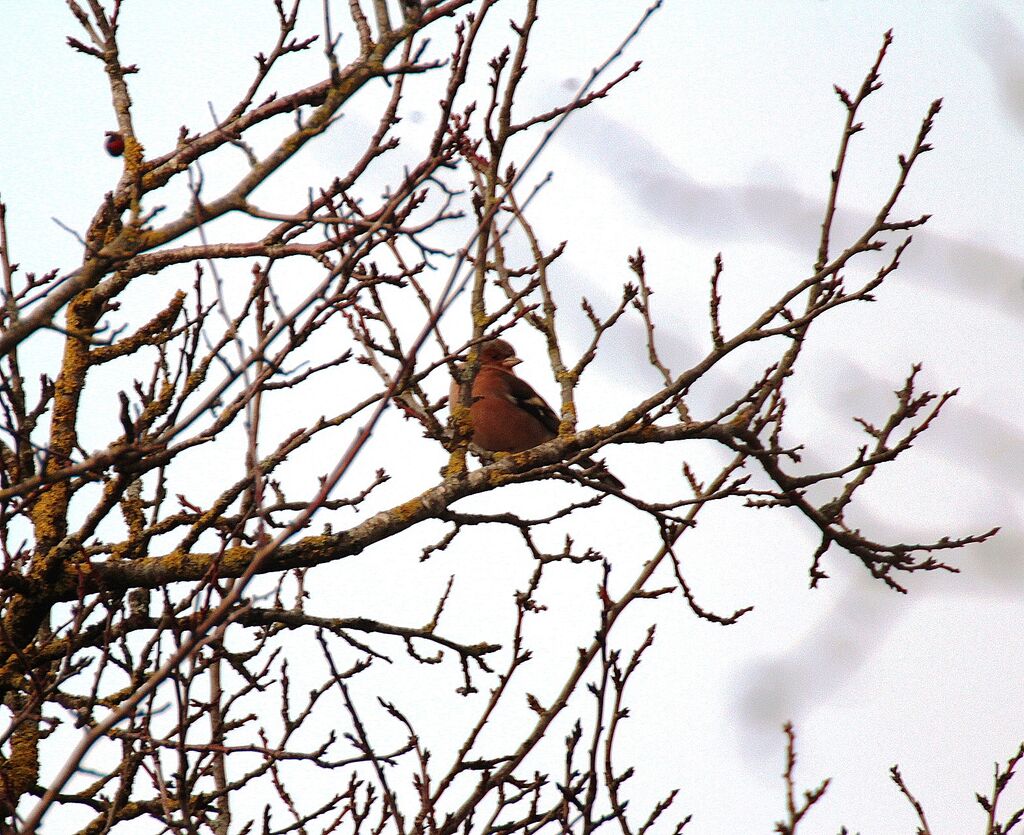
<point>114,143</point>
<point>507,415</point>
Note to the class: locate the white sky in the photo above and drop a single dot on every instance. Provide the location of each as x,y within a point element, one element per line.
<point>722,143</point>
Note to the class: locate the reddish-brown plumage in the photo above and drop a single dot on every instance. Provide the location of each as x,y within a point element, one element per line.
<point>506,414</point>
<point>114,143</point>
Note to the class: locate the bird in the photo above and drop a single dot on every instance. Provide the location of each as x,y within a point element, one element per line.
<point>507,415</point>
<point>114,143</point>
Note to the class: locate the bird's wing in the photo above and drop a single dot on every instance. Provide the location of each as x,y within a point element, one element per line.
<point>529,401</point>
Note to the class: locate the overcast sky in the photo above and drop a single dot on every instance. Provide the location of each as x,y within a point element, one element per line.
<point>723,143</point>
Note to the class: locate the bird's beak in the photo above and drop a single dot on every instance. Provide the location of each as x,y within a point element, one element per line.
<point>511,362</point>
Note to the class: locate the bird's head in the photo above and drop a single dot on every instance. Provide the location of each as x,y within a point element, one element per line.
<point>498,352</point>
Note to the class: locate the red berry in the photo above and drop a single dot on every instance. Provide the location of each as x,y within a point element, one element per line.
<point>114,143</point>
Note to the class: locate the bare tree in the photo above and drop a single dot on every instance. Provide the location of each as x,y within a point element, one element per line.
<point>156,594</point>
